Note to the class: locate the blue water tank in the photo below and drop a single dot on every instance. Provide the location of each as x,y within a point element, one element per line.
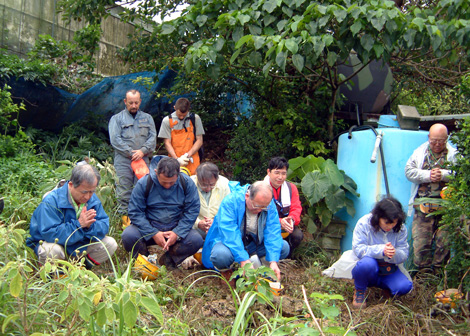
<point>354,157</point>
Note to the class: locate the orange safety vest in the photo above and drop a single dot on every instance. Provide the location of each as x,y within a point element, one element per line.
<point>182,141</point>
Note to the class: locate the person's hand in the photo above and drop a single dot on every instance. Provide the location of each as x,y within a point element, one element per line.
<point>87,217</point>
<point>205,224</point>
<point>159,239</point>
<point>436,175</point>
<point>183,160</point>
<point>389,250</point>
<point>137,155</point>
<point>287,224</point>
<point>171,238</point>
<point>274,266</point>
<point>244,262</point>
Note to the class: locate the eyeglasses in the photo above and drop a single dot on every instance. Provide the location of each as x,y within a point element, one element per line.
<point>262,208</point>
<point>437,141</point>
<point>206,186</point>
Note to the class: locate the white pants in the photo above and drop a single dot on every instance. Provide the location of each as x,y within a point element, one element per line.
<point>98,251</point>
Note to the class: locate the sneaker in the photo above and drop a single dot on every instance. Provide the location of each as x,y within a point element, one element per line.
<point>359,300</point>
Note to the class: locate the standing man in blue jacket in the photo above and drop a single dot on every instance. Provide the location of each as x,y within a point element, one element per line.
<point>162,212</point>
<point>70,219</point>
<point>247,223</point>
<point>133,136</point>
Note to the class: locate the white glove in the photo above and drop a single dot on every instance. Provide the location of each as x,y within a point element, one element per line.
<point>183,160</point>
<point>189,262</point>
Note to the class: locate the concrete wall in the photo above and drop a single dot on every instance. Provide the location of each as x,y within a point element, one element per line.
<point>21,21</point>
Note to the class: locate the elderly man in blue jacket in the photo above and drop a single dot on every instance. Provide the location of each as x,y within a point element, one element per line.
<point>71,219</point>
<point>247,223</point>
<point>163,208</point>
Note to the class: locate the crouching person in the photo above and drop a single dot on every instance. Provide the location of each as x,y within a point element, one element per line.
<point>247,223</point>
<point>163,208</point>
<point>71,220</point>
<point>379,249</point>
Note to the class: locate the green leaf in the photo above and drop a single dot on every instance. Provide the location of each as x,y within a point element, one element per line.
<point>255,58</point>
<point>235,55</point>
<point>311,227</point>
<point>281,60</point>
<point>8,319</point>
<point>379,50</point>
<point>350,209</point>
<point>258,41</point>
<point>100,316</point>
<point>219,43</point>
<point>84,310</point>
<point>298,61</point>
<point>340,15</point>
<point>237,34</point>
<point>270,5</point>
<point>356,27</point>
<point>330,169</point>
<point>349,184</point>
<point>130,312</point>
<point>328,39</point>
<point>334,199</point>
<point>243,18</point>
<point>314,186</point>
<point>167,29</point>
<point>378,23</point>
<point>281,25</point>
<point>367,42</point>
<point>324,214</point>
<point>418,22</point>
<point>243,40</point>
<point>153,308</point>
<point>268,19</point>
<point>329,312</point>
<point>202,19</point>
<point>213,71</point>
<point>331,58</point>
<point>16,283</point>
<point>292,46</point>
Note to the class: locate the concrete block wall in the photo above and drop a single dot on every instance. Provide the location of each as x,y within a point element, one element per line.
<point>22,21</point>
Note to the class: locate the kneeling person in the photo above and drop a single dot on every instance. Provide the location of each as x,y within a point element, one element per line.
<point>163,208</point>
<point>247,223</point>
<point>70,219</point>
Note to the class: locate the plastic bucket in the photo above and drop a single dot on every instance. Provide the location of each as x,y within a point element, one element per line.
<point>146,269</point>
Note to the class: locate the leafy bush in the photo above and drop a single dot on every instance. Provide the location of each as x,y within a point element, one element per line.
<point>457,214</point>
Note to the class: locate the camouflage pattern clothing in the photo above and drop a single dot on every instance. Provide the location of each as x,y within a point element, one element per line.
<point>425,228</point>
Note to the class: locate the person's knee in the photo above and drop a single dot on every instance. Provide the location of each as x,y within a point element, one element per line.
<point>130,237</point>
<point>50,251</point>
<point>367,265</point>
<point>296,237</point>
<point>403,288</point>
<point>221,256</point>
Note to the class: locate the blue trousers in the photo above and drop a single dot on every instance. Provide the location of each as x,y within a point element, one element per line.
<point>366,274</point>
<point>222,257</point>
<point>133,241</point>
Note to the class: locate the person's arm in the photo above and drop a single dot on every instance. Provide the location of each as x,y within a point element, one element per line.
<point>169,148</point>
<point>360,244</point>
<point>196,145</point>
<point>115,138</point>
<point>149,146</point>
<point>190,208</point>
<point>401,248</point>
<point>295,205</point>
<point>137,208</point>
<point>100,227</point>
<point>51,224</point>
<point>413,171</point>
<point>272,234</point>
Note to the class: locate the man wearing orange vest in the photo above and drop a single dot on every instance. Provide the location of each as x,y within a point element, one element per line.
<point>182,134</point>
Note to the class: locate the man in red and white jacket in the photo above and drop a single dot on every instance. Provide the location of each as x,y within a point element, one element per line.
<point>286,198</point>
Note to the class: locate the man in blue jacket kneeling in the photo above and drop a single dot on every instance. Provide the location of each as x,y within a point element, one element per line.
<point>70,221</point>
<point>163,208</point>
<point>247,223</point>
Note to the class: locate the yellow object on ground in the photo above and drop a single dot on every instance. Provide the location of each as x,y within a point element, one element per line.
<point>198,256</point>
<point>146,269</point>
<point>126,221</point>
<point>276,287</point>
<point>451,295</point>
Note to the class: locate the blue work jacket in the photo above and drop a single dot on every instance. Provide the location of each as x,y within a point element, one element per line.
<point>173,208</point>
<point>228,228</point>
<point>55,218</point>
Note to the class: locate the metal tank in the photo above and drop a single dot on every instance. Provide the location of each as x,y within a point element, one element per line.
<point>355,150</point>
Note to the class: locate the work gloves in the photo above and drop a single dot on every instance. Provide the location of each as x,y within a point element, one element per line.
<point>183,160</point>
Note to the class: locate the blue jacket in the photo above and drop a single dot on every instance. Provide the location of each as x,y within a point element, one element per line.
<point>55,218</point>
<point>228,229</point>
<point>172,208</point>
